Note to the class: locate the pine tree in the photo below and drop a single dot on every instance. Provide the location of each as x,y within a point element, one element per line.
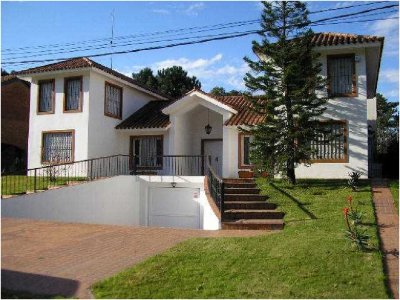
<point>286,76</point>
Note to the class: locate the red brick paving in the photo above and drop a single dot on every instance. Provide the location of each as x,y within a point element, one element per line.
<point>48,258</point>
<point>388,223</point>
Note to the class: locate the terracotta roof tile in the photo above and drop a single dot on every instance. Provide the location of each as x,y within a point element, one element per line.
<point>84,62</point>
<point>149,116</point>
<point>245,115</point>
<point>335,38</point>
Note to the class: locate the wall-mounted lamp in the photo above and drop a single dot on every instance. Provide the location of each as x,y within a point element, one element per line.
<point>208,127</point>
<point>357,58</point>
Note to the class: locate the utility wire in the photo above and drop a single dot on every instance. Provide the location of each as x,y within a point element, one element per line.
<point>106,40</point>
<point>234,35</point>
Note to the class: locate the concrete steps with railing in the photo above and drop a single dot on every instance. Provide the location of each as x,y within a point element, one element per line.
<point>245,208</point>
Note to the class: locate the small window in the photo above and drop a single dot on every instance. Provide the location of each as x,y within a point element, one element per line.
<point>58,146</point>
<point>245,141</point>
<point>331,142</point>
<point>73,94</point>
<point>342,75</point>
<point>46,97</point>
<point>113,101</point>
<point>148,151</point>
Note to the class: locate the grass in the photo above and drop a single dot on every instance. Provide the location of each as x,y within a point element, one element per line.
<point>394,188</point>
<point>310,258</point>
<point>20,184</point>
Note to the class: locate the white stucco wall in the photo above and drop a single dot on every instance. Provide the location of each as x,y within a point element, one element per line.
<point>351,109</point>
<point>113,201</point>
<point>120,200</point>
<point>59,120</point>
<point>104,139</point>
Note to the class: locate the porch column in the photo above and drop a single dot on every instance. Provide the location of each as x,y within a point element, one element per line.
<point>230,152</point>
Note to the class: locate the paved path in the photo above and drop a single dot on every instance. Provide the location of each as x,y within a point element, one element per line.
<point>48,258</point>
<point>388,223</point>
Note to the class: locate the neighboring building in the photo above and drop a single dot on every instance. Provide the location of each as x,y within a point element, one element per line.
<point>15,98</point>
<point>81,109</point>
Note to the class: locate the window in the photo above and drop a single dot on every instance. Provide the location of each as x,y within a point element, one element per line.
<point>46,97</point>
<point>113,101</point>
<point>58,146</point>
<point>244,150</point>
<point>341,75</point>
<point>148,150</point>
<point>331,142</point>
<point>73,94</point>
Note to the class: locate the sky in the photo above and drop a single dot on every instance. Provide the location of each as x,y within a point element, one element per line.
<point>216,63</point>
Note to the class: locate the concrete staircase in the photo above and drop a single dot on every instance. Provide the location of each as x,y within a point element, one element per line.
<point>245,208</point>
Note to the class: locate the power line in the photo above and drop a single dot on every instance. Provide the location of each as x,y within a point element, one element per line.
<point>234,35</point>
<point>4,51</point>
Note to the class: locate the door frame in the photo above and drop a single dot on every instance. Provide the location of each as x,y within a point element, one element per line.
<point>202,149</point>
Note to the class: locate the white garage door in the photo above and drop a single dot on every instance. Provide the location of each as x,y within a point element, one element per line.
<point>174,207</point>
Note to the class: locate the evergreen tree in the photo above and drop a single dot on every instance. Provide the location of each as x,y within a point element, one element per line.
<point>146,78</point>
<point>387,124</point>
<point>175,82</point>
<point>218,91</point>
<point>286,76</point>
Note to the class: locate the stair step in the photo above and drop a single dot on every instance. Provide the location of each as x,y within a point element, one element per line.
<point>239,180</point>
<point>245,197</point>
<point>248,205</point>
<point>254,224</point>
<point>235,214</point>
<point>240,185</point>
<point>236,190</point>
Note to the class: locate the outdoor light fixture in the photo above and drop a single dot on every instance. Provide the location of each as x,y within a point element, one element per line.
<point>208,127</point>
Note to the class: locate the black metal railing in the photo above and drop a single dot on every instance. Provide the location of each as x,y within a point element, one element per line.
<point>216,187</point>
<point>62,174</point>
<point>182,165</point>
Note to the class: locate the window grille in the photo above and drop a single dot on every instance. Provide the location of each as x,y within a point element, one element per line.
<point>341,75</point>
<point>57,147</point>
<point>331,142</point>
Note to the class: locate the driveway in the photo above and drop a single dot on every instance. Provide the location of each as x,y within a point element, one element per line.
<point>53,258</point>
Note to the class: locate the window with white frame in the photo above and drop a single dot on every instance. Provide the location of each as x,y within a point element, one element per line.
<point>148,150</point>
<point>73,94</point>
<point>58,146</point>
<point>46,96</point>
<point>113,101</point>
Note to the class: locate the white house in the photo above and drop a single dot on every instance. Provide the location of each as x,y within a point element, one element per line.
<point>81,109</point>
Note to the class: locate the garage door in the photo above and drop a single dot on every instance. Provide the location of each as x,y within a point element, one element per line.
<point>174,207</point>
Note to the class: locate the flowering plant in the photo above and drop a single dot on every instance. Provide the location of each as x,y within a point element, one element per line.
<point>357,236</point>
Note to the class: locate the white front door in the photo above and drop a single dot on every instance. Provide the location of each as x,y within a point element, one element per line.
<point>213,148</point>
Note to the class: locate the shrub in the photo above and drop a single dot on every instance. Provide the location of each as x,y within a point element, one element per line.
<point>354,180</point>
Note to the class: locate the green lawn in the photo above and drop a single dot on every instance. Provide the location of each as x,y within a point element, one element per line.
<point>394,188</point>
<point>20,184</point>
<point>310,258</point>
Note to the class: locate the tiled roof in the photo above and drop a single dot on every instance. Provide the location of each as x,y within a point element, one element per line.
<point>6,79</point>
<point>335,38</point>
<point>149,116</point>
<point>245,115</point>
<point>84,62</point>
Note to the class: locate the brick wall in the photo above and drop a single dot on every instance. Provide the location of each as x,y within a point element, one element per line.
<point>15,113</point>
